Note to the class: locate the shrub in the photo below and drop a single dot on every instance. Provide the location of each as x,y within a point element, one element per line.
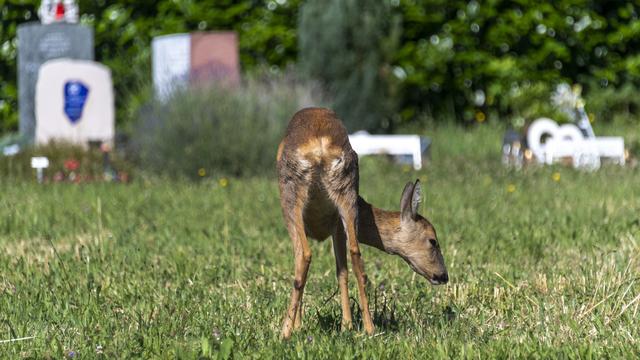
<point>219,130</point>
<point>612,104</point>
<point>529,101</point>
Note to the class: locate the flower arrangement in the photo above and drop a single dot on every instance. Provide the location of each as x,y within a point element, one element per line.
<point>68,164</point>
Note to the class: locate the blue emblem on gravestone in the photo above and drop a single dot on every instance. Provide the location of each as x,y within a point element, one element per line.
<point>75,96</point>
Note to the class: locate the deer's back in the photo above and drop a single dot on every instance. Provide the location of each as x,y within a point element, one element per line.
<point>315,154</point>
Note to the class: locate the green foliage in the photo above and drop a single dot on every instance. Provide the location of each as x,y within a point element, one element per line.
<point>386,62</point>
<point>231,131</point>
<point>348,45</point>
<point>12,13</point>
<point>612,104</point>
<point>528,102</point>
<point>124,29</point>
<point>160,269</point>
<point>453,50</point>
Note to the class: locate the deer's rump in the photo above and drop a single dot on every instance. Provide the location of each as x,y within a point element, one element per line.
<point>321,216</point>
<point>317,165</point>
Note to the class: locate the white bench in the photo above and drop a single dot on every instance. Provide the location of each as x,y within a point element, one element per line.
<point>365,144</point>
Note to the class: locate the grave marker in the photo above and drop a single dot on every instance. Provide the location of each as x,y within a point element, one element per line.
<point>198,58</point>
<point>40,163</point>
<point>74,102</point>
<point>37,44</point>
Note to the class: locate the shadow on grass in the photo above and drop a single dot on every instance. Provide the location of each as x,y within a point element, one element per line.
<point>387,315</point>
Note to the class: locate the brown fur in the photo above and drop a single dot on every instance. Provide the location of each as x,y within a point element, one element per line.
<point>318,181</point>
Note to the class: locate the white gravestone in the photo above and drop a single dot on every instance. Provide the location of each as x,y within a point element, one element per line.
<point>74,102</point>
<point>171,63</point>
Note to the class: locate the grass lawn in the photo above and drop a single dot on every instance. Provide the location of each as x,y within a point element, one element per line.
<point>542,263</point>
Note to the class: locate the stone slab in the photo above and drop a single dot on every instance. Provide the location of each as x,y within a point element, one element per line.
<point>171,62</point>
<point>37,44</point>
<point>74,102</point>
<point>214,57</point>
<point>199,58</point>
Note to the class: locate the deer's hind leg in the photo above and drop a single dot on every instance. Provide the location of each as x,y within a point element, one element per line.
<point>293,196</point>
<point>342,273</point>
<point>341,182</point>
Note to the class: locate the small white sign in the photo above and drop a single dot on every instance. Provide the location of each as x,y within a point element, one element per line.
<point>39,162</point>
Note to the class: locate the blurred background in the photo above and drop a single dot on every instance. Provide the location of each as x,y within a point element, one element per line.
<point>388,66</point>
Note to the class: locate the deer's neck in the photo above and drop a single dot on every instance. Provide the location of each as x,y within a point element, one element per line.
<point>378,228</point>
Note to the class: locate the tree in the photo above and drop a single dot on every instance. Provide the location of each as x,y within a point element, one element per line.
<point>348,46</point>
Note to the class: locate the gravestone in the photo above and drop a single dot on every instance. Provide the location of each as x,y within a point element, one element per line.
<point>74,102</point>
<point>171,63</point>
<point>214,57</point>
<point>197,58</point>
<point>37,44</point>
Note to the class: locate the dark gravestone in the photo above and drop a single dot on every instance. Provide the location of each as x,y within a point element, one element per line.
<point>38,44</point>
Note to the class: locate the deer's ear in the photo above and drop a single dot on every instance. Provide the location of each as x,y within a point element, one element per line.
<point>416,199</point>
<point>406,202</point>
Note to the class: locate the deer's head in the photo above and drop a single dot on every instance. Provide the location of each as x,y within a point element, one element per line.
<point>416,239</point>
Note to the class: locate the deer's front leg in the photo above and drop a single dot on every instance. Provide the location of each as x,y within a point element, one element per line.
<point>342,273</point>
<point>349,222</point>
<point>297,324</point>
<point>302,262</point>
<point>293,198</point>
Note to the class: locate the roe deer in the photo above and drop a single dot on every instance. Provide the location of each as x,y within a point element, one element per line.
<point>318,181</point>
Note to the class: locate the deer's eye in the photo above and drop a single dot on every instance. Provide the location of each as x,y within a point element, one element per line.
<point>434,242</point>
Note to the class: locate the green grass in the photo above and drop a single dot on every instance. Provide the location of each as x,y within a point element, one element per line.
<point>160,269</point>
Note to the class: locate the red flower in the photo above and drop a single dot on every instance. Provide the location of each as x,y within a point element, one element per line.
<point>71,164</point>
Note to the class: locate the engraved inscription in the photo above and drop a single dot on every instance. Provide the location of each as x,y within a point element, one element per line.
<point>53,45</point>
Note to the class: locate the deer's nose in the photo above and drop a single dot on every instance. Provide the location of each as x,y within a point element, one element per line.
<point>442,278</point>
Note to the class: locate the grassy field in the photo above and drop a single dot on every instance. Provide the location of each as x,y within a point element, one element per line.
<point>542,263</point>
